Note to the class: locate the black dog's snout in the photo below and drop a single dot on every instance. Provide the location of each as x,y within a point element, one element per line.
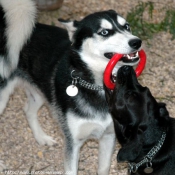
<point>126,69</point>
<point>123,73</point>
<point>135,43</point>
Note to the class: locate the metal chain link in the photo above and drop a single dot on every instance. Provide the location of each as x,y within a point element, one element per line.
<point>84,83</point>
<point>133,167</point>
<point>157,147</point>
<point>89,85</point>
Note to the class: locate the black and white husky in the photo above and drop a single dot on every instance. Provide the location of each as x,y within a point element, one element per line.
<point>47,60</point>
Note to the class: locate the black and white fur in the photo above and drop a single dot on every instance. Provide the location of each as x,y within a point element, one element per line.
<point>42,57</point>
<point>16,27</point>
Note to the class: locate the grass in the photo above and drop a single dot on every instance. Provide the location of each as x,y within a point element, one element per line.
<point>146,29</point>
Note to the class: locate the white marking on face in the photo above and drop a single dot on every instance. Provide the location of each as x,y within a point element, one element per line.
<point>92,55</point>
<point>106,24</point>
<point>121,20</point>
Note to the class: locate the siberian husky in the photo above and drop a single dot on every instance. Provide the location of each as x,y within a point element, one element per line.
<point>65,68</point>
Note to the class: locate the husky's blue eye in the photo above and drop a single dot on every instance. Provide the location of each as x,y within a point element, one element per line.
<point>104,32</point>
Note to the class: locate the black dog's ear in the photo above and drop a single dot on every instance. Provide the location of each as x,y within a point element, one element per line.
<point>163,114</point>
<point>129,152</point>
<point>162,110</point>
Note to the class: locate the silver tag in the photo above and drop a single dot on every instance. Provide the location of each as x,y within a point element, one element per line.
<point>148,170</point>
<point>72,90</point>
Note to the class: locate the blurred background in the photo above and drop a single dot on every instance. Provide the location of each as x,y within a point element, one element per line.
<point>154,22</point>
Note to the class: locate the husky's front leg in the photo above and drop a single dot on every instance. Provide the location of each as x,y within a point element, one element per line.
<point>72,149</point>
<point>106,149</point>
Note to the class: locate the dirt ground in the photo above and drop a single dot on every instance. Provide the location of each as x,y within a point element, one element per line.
<point>19,151</point>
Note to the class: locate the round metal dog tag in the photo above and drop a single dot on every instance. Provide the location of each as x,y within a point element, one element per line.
<point>72,90</point>
<point>148,170</point>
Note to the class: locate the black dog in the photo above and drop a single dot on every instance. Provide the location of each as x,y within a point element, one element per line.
<point>143,127</point>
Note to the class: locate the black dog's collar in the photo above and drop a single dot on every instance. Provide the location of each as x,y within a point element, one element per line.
<point>133,167</point>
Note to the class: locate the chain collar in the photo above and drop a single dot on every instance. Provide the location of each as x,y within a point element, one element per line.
<point>133,167</point>
<point>89,85</point>
<point>85,84</point>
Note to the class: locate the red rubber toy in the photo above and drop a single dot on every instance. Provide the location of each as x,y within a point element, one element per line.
<point>113,61</point>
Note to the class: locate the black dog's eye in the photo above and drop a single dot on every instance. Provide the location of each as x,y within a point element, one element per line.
<point>141,129</point>
<point>127,27</point>
<point>130,95</point>
<point>128,131</point>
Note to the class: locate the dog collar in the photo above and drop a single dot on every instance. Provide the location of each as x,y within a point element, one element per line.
<point>133,167</point>
<point>72,90</point>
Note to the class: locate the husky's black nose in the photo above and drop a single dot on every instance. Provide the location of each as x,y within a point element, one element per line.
<point>135,43</point>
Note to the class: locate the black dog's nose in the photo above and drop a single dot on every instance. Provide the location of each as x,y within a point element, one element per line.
<point>126,69</point>
<point>135,43</point>
<point>123,74</point>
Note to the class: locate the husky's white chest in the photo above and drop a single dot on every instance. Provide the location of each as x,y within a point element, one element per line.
<point>84,128</point>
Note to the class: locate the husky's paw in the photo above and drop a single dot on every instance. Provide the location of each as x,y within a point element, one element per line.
<point>2,166</point>
<point>45,140</point>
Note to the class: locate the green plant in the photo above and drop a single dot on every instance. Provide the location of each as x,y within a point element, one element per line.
<point>168,24</point>
<point>146,29</point>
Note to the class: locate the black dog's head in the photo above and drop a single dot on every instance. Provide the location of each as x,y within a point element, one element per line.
<point>138,118</point>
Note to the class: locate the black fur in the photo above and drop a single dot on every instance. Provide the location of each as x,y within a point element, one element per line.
<point>139,121</point>
<point>47,56</point>
<point>3,50</point>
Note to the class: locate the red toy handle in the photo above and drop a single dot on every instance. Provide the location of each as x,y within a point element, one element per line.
<point>111,64</point>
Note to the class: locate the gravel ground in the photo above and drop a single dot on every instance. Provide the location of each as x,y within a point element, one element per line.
<point>19,150</point>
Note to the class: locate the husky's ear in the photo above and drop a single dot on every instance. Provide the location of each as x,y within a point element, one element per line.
<point>71,27</point>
